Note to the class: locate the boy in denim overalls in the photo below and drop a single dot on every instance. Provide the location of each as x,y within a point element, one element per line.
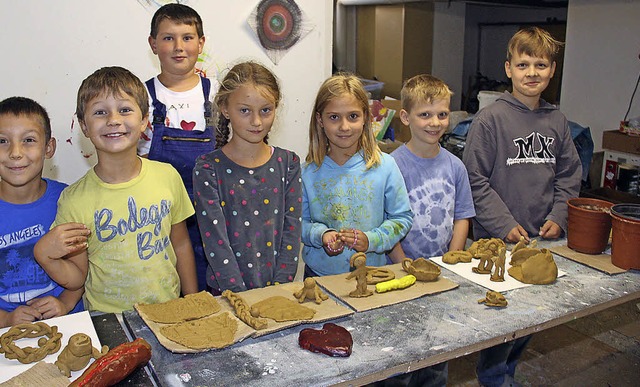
<point>180,104</point>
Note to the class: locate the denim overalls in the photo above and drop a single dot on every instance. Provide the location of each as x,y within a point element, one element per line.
<point>181,148</point>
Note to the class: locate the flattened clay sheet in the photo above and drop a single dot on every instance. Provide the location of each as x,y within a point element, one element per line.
<point>327,310</point>
<point>600,262</point>
<point>339,286</point>
<point>242,332</point>
<point>41,374</point>
<point>190,307</point>
<point>465,270</point>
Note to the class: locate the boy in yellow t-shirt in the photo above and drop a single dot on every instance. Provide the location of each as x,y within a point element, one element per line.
<point>139,249</point>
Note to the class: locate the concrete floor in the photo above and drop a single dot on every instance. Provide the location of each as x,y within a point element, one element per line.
<point>602,349</point>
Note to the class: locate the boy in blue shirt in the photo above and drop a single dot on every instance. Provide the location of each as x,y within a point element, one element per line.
<point>28,207</point>
<point>181,127</point>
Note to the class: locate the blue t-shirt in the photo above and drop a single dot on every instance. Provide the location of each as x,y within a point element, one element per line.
<point>21,277</point>
<point>439,193</point>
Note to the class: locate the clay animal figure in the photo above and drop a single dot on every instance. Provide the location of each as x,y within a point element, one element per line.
<point>493,299</point>
<point>498,262</point>
<point>485,265</point>
<point>77,354</point>
<point>359,261</point>
<point>422,269</point>
<point>455,256</point>
<point>485,246</point>
<point>310,291</point>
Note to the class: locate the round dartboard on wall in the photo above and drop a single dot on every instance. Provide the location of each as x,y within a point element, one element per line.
<point>278,24</point>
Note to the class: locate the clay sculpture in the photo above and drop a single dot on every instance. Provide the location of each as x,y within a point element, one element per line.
<point>310,291</point>
<point>422,269</point>
<point>332,340</point>
<point>522,243</point>
<point>485,250</point>
<point>537,269</point>
<point>46,345</point>
<point>498,264</point>
<point>379,274</point>
<point>116,365</point>
<point>359,261</point>
<point>243,312</point>
<point>77,354</point>
<point>493,299</point>
<point>455,256</point>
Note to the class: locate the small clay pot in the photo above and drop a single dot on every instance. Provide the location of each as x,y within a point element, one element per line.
<point>589,225</point>
<point>625,252</point>
<point>422,269</point>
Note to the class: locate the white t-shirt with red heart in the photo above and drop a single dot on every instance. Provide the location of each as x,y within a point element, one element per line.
<point>185,110</point>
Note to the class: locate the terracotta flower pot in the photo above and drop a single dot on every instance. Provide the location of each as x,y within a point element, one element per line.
<point>589,225</point>
<point>625,237</point>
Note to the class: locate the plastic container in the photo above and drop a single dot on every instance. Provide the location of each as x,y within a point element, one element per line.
<point>485,97</point>
<point>589,225</point>
<point>625,236</point>
<point>374,88</point>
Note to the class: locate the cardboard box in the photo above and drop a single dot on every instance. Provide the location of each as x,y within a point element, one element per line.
<point>621,142</point>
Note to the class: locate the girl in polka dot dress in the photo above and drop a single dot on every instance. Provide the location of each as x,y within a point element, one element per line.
<point>247,193</point>
<point>354,196</point>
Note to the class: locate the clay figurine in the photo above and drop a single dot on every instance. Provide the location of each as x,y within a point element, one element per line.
<point>310,291</point>
<point>359,261</point>
<point>485,265</point>
<point>493,299</point>
<point>422,269</point>
<point>498,262</point>
<point>76,355</point>
<point>485,246</point>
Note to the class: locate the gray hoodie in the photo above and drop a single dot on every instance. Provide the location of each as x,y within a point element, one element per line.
<point>522,165</point>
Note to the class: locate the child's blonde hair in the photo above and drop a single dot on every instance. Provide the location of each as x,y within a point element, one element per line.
<point>245,73</point>
<point>114,81</point>
<point>423,88</point>
<point>533,41</point>
<point>338,86</point>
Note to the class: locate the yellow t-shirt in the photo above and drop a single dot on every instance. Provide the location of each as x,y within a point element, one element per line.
<point>131,258</point>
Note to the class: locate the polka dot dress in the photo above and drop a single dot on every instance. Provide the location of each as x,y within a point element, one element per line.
<point>249,219</point>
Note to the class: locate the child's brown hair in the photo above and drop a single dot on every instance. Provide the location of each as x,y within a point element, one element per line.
<point>423,88</point>
<point>245,73</point>
<point>533,41</point>
<point>177,13</point>
<point>23,106</point>
<point>334,87</point>
<point>114,81</point>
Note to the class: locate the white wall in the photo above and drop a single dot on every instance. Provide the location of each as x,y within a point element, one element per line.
<point>601,63</point>
<point>448,47</point>
<point>49,47</point>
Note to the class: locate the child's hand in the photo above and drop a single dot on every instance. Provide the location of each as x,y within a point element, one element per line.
<point>65,239</point>
<point>48,306</point>
<point>332,243</point>
<point>21,315</point>
<point>550,230</point>
<point>515,234</point>
<point>355,239</point>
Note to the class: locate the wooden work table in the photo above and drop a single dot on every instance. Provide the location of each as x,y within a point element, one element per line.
<point>397,338</point>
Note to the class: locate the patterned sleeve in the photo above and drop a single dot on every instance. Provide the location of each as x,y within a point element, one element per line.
<point>213,228</point>
<point>288,256</point>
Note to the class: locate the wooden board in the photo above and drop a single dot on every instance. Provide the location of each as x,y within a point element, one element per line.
<point>242,332</point>
<point>600,262</point>
<point>327,310</point>
<point>339,286</point>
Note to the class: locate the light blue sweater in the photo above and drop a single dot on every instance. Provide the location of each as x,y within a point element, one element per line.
<point>334,197</point>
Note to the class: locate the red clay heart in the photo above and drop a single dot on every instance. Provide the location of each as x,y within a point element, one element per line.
<point>332,340</point>
<point>187,125</point>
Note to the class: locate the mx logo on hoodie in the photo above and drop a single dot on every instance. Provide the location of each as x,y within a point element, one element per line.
<point>533,149</point>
